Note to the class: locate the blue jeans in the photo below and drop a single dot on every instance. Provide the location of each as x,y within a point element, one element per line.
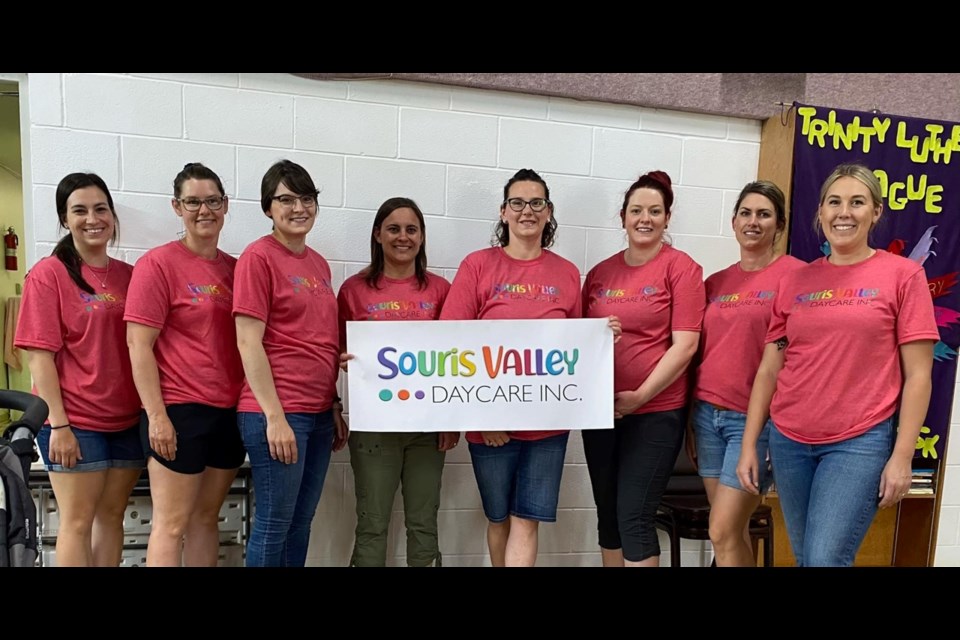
<point>828,492</point>
<point>286,494</point>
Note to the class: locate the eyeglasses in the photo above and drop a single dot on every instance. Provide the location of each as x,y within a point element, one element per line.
<point>287,201</point>
<point>536,205</point>
<point>193,204</point>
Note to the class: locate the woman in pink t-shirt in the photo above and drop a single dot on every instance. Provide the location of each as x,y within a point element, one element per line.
<point>289,413</point>
<point>845,378</point>
<point>739,302</point>
<point>187,369</point>
<point>657,292</point>
<point>396,286</point>
<point>71,327</point>
<point>518,472</point>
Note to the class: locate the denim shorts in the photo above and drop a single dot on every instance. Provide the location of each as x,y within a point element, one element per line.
<point>100,449</point>
<point>719,436</point>
<point>521,478</point>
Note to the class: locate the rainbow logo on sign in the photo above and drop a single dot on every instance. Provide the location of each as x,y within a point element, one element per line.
<point>497,361</point>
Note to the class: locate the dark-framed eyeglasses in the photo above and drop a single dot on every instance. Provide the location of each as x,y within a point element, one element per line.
<point>287,201</point>
<point>214,203</point>
<point>536,204</point>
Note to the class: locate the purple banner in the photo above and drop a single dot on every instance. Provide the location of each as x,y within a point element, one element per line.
<point>918,163</point>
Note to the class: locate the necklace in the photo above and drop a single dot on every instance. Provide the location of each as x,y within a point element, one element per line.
<point>103,282</point>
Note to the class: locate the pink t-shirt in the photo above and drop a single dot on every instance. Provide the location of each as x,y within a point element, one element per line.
<point>844,325</point>
<point>87,336</point>
<point>394,300</point>
<point>490,285</point>
<point>189,299</point>
<point>293,295</point>
<point>651,300</point>
<point>739,304</point>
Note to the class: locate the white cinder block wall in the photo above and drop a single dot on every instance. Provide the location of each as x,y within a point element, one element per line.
<point>451,149</point>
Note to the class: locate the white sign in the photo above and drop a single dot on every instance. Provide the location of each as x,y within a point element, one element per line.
<point>480,375</point>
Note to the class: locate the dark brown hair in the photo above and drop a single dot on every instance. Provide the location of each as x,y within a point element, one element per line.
<point>501,234</point>
<point>66,249</point>
<point>373,271</point>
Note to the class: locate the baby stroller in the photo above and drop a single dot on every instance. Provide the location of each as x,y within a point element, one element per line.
<point>18,513</point>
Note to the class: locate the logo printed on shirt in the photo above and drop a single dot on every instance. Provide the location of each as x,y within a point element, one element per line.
<point>747,298</point>
<point>215,293</point>
<point>525,291</point>
<point>100,301</point>
<point>624,296</point>
<point>311,285</point>
<point>837,297</point>
<point>401,309</point>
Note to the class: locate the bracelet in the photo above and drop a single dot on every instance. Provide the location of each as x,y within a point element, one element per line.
<point>63,426</point>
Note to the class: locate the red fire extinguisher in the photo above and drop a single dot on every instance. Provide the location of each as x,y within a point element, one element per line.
<point>10,244</point>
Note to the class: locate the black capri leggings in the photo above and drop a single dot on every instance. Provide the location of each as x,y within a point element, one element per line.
<point>630,466</point>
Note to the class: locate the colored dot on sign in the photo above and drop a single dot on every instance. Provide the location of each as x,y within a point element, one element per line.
<point>420,395</point>
<point>385,395</point>
<point>403,394</point>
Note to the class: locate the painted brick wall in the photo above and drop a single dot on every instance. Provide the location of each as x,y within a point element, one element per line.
<point>449,148</point>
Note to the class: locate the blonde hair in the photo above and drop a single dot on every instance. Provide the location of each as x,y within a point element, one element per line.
<point>850,170</point>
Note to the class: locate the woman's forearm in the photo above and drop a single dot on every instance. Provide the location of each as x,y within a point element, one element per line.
<point>146,377</point>
<point>761,395</point>
<point>671,366</point>
<point>256,367</point>
<point>913,411</point>
<point>46,378</point>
